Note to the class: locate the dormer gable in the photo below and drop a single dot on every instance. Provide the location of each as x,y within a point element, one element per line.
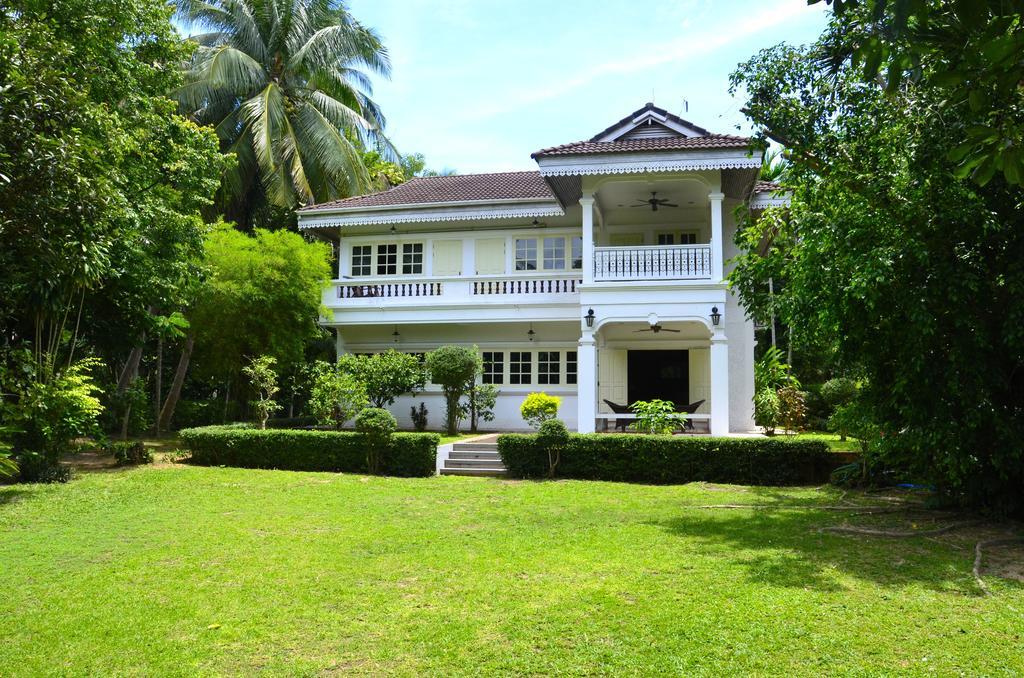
<point>649,122</point>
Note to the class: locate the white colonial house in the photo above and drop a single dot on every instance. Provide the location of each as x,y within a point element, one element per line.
<point>597,278</point>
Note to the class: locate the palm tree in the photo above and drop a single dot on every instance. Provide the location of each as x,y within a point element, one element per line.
<point>774,166</point>
<point>285,84</point>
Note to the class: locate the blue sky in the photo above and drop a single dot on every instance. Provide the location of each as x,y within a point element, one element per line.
<point>478,85</point>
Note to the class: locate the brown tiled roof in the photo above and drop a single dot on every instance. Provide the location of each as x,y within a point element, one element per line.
<point>709,141</point>
<point>455,188</point>
<point>766,186</point>
<point>648,107</point>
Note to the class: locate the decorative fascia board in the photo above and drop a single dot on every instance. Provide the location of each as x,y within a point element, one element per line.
<point>431,214</point>
<point>633,163</point>
<point>770,199</point>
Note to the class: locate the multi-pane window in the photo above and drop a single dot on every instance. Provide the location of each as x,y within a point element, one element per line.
<point>554,253</point>
<point>526,254</point>
<point>684,238</point>
<point>387,259</point>
<point>577,252</point>
<point>520,367</point>
<point>548,367</point>
<point>570,367</point>
<point>412,258</point>
<point>666,238</point>
<point>362,259</point>
<point>687,238</point>
<point>494,367</point>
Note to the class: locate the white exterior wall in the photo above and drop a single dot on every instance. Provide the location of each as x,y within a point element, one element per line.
<point>740,330</point>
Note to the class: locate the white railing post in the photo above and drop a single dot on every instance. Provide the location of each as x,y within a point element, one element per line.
<point>587,205</point>
<point>716,235</point>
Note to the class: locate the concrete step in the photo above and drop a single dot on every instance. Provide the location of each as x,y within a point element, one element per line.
<point>475,447</point>
<point>485,472</point>
<point>494,456</point>
<point>473,463</point>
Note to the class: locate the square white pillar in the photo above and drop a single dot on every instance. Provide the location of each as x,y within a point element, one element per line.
<point>715,199</point>
<point>587,205</point>
<point>586,383</point>
<point>719,384</point>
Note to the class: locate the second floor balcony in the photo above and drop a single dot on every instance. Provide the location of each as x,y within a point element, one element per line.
<point>651,263</point>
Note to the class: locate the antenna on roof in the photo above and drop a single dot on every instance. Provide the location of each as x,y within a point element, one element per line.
<point>686,106</point>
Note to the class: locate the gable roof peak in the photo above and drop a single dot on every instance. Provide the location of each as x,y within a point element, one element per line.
<point>651,116</point>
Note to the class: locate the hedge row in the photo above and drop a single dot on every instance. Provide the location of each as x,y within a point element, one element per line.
<point>673,459</point>
<point>409,455</point>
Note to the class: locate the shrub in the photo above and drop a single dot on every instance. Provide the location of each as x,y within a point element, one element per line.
<point>35,467</point>
<point>386,375</point>
<point>291,422</point>
<point>766,410</point>
<point>129,452</point>
<point>792,412</point>
<point>479,404</point>
<point>407,454</point>
<point>672,459</point>
<point>538,408</point>
<point>263,379</point>
<point>658,417</point>
<point>335,396</point>
<point>419,417</point>
<point>553,437</point>
<point>838,391</point>
<point>377,425</point>
<point>453,368</point>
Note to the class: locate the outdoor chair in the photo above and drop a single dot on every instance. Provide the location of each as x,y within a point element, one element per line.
<point>620,409</point>
<point>690,409</point>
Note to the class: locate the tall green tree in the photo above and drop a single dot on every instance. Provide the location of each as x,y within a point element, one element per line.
<point>285,84</point>
<point>908,266</point>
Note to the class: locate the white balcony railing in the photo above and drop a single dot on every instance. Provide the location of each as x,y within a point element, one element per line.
<point>659,262</point>
<point>540,287</point>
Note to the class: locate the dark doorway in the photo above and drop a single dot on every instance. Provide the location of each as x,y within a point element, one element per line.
<point>659,374</point>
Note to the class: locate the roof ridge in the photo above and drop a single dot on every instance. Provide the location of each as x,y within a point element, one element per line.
<point>471,174</point>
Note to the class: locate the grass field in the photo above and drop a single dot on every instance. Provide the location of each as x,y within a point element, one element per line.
<point>177,570</point>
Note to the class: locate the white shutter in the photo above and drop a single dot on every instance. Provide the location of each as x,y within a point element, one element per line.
<point>700,378</point>
<point>447,257</point>
<point>490,256</point>
<point>614,378</point>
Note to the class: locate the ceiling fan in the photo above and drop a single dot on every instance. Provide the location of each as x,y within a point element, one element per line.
<point>656,328</point>
<point>655,202</point>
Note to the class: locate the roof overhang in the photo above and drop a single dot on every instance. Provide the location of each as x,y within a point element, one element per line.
<point>763,199</point>
<point>469,210</point>
<point>588,164</point>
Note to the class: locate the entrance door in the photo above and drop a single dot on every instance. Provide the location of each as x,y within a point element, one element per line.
<point>659,374</point>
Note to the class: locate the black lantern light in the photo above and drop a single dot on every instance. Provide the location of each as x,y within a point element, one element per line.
<point>395,336</point>
<point>589,317</point>
<point>716,317</point>
<point>531,333</point>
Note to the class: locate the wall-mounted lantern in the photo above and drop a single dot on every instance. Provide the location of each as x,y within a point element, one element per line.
<point>531,333</point>
<point>395,336</point>
<point>589,317</point>
<point>716,317</point>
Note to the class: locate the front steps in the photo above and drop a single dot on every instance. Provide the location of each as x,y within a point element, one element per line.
<point>473,459</point>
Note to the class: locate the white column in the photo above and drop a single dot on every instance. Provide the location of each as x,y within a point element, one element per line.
<point>586,383</point>
<point>716,235</point>
<point>587,203</point>
<point>339,343</point>
<point>344,257</point>
<point>719,384</point>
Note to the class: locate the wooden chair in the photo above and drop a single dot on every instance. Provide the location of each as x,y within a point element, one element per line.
<point>620,409</point>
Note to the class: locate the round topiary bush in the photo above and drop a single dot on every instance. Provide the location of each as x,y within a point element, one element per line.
<point>377,425</point>
<point>538,408</point>
<point>553,437</point>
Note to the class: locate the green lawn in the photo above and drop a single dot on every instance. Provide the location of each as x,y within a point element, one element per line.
<point>185,570</point>
<point>830,439</point>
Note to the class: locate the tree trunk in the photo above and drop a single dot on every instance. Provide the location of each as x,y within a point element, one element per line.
<point>167,412</point>
<point>128,375</point>
<point>771,297</point>
<point>158,385</point>
<point>227,401</point>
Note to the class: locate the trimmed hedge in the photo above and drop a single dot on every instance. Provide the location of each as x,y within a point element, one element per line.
<point>409,454</point>
<point>673,459</point>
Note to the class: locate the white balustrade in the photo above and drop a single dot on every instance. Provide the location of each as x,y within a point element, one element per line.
<point>658,262</point>
<point>528,286</point>
<point>390,289</point>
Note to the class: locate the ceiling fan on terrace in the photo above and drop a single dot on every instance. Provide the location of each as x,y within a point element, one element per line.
<point>656,327</point>
<point>654,202</point>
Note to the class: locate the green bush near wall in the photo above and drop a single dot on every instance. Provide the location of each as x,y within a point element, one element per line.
<point>673,459</point>
<point>409,454</point>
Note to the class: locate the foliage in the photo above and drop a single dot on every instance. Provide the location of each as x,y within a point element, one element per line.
<point>377,426</point>
<point>50,414</point>
<point>968,50</point>
<point>855,419</point>
<point>285,85</point>
<point>406,454</point>
<point>129,453</point>
<point>657,417</point>
<point>767,409</point>
<point>263,380</point>
<point>837,393</point>
<point>910,270</point>
<point>261,297</point>
<point>553,436</point>
<point>479,404</point>
<point>792,409</point>
<point>452,368</point>
<point>386,375</point>
<point>132,402</point>
<point>335,395</point>
<point>771,372</point>
<point>8,467</point>
<point>419,417</point>
<point>672,459</point>
<point>538,408</point>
